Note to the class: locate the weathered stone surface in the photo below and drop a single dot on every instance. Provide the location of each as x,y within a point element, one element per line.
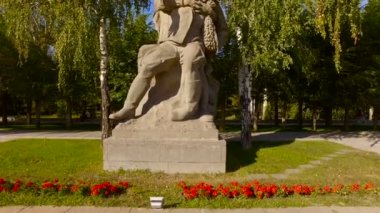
<point>173,147</point>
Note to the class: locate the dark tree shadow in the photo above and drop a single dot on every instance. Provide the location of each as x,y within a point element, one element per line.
<point>237,157</point>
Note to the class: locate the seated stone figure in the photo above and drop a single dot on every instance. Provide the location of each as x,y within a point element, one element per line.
<point>190,32</point>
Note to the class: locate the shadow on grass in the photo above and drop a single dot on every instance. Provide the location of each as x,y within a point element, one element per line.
<point>237,157</point>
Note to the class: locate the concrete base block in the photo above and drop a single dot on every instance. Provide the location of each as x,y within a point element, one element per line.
<point>170,153</point>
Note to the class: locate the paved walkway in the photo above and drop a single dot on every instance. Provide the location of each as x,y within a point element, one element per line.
<point>49,209</point>
<point>368,141</point>
<point>16,134</point>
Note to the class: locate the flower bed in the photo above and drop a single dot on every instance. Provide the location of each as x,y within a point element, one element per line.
<point>258,190</point>
<point>104,189</point>
<point>232,190</point>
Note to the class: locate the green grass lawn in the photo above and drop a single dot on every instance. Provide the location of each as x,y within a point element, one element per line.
<point>49,159</point>
<point>70,160</point>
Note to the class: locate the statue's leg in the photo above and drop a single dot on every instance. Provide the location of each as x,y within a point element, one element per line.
<point>192,63</point>
<point>156,60</point>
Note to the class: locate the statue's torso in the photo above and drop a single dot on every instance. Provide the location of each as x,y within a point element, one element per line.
<point>181,25</point>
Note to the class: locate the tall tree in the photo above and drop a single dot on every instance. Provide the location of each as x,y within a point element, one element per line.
<point>267,30</point>
<point>8,67</point>
<point>369,50</point>
<point>270,28</point>
<point>77,28</point>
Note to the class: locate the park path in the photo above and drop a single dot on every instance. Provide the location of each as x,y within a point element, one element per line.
<point>7,135</point>
<point>367,141</point>
<point>49,209</point>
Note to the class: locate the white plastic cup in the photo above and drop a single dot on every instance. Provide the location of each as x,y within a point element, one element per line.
<point>156,202</point>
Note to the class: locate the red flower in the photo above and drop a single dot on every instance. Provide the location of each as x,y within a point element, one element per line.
<point>327,189</point>
<point>47,185</point>
<point>355,187</point>
<point>247,191</point>
<point>29,184</point>
<point>2,181</point>
<point>369,186</point>
<point>337,188</point>
<point>74,188</point>
<point>16,186</point>
<point>235,193</point>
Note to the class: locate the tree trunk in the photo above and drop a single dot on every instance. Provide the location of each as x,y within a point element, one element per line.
<point>38,113</point>
<point>314,119</point>
<point>29,104</point>
<point>246,105</point>
<point>276,110</point>
<point>104,70</point>
<point>69,113</point>
<point>255,115</point>
<point>264,105</point>
<point>346,112</point>
<point>284,114</point>
<point>300,113</point>
<point>4,107</point>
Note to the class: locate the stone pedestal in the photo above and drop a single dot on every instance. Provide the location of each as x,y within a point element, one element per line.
<point>157,144</point>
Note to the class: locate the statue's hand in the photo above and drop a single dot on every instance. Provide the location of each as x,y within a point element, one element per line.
<point>188,2</point>
<point>203,8</point>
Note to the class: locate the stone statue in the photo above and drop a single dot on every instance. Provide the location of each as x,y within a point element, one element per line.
<point>190,32</point>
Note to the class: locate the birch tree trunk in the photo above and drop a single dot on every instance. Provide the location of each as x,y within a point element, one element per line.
<point>104,70</point>
<point>246,105</point>
<point>255,115</point>
<point>29,111</point>
<point>314,119</point>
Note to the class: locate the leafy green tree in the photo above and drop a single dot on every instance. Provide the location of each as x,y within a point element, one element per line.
<point>76,28</point>
<point>225,65</point>
<point>270,29</point>
<point>8,66</point>
<point>36,80</point>
<point>267,30</point>
<point>125,43</point>
<point>369,54</point>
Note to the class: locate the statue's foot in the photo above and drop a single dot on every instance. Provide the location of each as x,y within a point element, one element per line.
<point>123,114</point>
<point>207,118</point>
<point>182,113</point>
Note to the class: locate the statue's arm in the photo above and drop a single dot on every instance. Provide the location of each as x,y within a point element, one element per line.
<point>206,8</point>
